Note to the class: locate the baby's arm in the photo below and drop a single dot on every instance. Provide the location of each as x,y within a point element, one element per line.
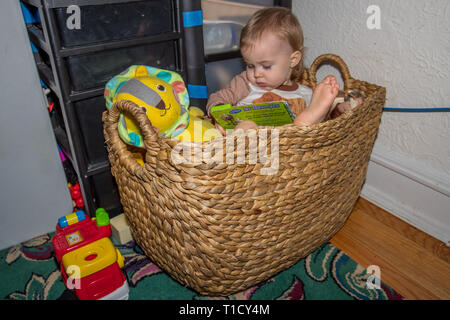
<point>322,98</point>
<point>234,92</point>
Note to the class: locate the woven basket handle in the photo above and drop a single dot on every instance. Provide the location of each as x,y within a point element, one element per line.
<point>145,126</point>
<point>332,60</point>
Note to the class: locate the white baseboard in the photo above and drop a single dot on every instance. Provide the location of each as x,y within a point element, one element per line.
<point>409,190</point>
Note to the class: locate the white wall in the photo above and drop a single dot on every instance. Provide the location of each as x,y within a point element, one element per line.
<point>33,187</point>
<point>409,174</point>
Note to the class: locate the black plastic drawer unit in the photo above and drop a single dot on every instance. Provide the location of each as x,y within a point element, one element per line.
<point>81,44</point>
<point>104,191</point>
<point>89,115</point>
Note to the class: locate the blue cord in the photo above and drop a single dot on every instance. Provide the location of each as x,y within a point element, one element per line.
<point>418,109</point>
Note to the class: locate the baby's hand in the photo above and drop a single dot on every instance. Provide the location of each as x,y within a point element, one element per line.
<point>220,129</point>
<point>246,125</point>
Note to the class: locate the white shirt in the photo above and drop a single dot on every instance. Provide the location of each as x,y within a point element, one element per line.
<point>287,92</point>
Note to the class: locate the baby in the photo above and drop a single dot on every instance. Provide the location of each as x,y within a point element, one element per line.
<point>272,48</point>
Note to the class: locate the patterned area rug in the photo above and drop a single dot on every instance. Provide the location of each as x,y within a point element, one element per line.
<point>29,271</point>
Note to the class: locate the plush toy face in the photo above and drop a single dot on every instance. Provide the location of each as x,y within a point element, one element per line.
<point>154,95</point>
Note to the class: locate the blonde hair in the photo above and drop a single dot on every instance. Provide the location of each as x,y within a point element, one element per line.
<point>280,21</point>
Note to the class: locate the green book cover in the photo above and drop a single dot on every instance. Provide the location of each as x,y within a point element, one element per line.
<point>275,113</point>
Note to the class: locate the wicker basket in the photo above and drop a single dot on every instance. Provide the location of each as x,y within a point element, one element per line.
<point>220,228</point>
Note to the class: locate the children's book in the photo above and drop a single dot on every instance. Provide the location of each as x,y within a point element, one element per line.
<point>275,113</point>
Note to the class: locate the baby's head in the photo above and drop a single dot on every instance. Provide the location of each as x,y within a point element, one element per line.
<point>281,23</point>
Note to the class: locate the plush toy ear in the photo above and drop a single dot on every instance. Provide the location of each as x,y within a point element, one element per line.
<point>176,95</point>
<point>141,71</point>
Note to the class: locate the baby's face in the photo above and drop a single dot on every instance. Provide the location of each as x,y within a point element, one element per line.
<point>269,61</point>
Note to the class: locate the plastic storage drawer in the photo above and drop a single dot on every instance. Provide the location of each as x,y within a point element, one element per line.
<point>93,70</point>
<point>110,22</point>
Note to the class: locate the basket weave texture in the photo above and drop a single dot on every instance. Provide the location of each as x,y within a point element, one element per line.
<point>220,228</point>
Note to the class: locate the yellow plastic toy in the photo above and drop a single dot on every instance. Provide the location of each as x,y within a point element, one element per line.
<point>93,257</point>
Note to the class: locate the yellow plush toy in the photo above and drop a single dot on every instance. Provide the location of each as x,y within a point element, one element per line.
<point>156,97</point>
<point>198,130</point>
<point>163,95</point>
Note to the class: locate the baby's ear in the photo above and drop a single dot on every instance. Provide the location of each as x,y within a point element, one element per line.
<point>296,56</point>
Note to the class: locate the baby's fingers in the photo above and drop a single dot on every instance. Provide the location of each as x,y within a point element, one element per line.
<point>221,129</point>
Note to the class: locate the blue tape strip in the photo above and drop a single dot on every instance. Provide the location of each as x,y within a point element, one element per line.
<point>192,18</point>
<point>30,15</point>
<point>197,91</point>
<point>417,109</point>
<point>33,47</point>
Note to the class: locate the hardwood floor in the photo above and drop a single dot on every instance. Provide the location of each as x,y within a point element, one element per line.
<point>413,263</point>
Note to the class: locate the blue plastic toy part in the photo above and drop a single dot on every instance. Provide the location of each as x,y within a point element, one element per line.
<point>72,218</point>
